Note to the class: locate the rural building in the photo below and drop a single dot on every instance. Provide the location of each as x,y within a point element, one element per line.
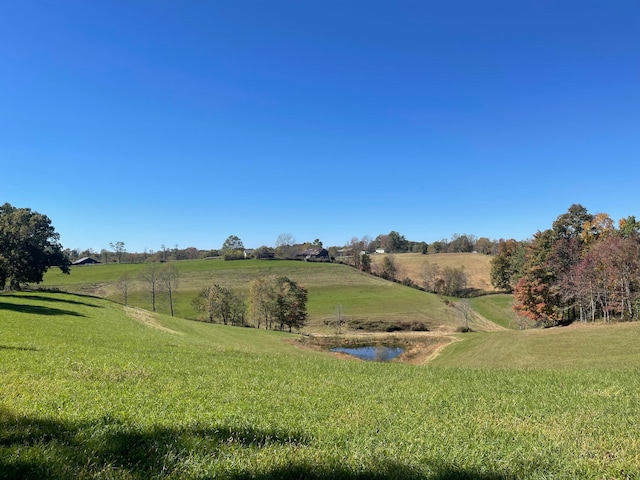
<point>85,261</point>
<point>379,250</point>
<point>317,254</point>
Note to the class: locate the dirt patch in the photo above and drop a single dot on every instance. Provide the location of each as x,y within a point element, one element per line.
<point>148,319</point>
<point>419,347</point>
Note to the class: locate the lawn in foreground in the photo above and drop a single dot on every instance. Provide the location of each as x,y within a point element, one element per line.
<point>91,391</point>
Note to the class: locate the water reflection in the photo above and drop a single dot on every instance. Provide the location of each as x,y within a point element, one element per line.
<point>378,353</point>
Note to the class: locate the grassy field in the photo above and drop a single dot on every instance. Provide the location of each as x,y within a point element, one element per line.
<point>496,308</point>
<point>476,266</point>
<point>364,299</point>
<point>93,390</point>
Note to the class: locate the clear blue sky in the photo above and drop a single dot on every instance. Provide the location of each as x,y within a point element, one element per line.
<point>184,122</point>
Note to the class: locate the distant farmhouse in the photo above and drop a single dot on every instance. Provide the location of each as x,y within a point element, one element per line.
<point>85,261</point>
<point>316,254</point>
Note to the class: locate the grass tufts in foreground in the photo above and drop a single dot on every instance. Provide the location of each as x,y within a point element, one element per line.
<point>89,391</point>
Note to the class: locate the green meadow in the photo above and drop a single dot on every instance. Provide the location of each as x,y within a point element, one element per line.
<point>363,298</point>
<point>92,389</point>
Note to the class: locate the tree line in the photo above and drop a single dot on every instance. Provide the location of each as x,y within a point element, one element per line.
<point>582,268</point>
<point>287,248</point>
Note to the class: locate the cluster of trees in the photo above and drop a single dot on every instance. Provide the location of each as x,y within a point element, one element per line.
<point>449,281</point>
<point>275,303</point>
<point>583,267</point>
<point>29,246</point>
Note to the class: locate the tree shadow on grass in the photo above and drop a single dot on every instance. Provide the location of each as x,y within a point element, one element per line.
<point>50,297</point>
<point>37,310</point>
<point>54,449</point>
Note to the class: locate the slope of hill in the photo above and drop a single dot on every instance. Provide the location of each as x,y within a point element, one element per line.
<point>476,266</point>
<point>90,390</point>
<point>366,301</point>
<point>587,346</point>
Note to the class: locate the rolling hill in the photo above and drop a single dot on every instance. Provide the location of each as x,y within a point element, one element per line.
<point>92,389</point>
<point>477,267</point>
<point>366,301</point>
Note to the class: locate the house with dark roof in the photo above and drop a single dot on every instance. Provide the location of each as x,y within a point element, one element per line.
<point>316,254</point>
<point>85,261</point>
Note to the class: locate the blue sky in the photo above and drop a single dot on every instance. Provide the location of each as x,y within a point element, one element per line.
<point>181,123</point>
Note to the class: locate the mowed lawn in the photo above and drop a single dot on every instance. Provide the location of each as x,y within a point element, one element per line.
<point>93,390</point>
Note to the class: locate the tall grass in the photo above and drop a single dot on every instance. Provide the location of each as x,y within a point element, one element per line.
<point>89,391</point>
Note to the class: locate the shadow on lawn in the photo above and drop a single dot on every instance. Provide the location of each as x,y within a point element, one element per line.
<point>37,310</point>
<point>52,449</point>
<point>50,297</point>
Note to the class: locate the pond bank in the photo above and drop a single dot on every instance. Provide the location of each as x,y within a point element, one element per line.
<point>419,347</point>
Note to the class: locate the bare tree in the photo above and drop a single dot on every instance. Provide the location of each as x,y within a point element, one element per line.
<point>169,276</point>
<point>340,318</point>
<point>124,284</point>
<point>285,246</point>
<point>285,240</point>
<point>151,276</point>
<point>465,310</point>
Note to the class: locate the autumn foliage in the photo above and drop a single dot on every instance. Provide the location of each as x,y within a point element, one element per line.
<point>582,268</point>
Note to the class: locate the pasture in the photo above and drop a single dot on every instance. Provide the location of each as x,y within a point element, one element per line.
<point>91,389</point>
<point>477,267</point>
<point>364,300</point>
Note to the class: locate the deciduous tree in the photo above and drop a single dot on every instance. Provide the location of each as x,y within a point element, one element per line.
<point>150,275</point>
<point>291,304</point>
<point>262,300</point>
<point>232,243</point>
<point>124,284</point>
<point>118,248</point>
<point>29,246</point>
<point>220,302</point>
<point>169,279</point>
<point>506,266</point>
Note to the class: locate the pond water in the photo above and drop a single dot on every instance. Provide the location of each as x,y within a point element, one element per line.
<point>379,353</point>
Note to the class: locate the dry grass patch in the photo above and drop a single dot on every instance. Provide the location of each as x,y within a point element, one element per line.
<point>476,266</point>
<point>148,319</point>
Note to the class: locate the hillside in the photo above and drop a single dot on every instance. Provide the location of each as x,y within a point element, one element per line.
<point>477,267</point>
<point>94,390</point>
<point>366,301</point>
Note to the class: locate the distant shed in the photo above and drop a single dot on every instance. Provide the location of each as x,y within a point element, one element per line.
<point>85,261</point>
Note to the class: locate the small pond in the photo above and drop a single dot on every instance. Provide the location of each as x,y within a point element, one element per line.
<point>378,353</point>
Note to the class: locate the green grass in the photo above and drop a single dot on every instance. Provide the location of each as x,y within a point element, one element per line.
<point>90,392</point>
<point>497,308</point>
<point>362,297</point>
<point>590,346</point>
